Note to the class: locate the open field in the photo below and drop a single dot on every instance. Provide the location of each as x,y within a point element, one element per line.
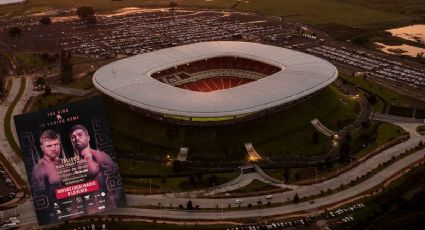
<point>389,96</point>
<point>167,184</point>
<point>308,11</point>
<point>46,101</point>
<point>364,140</point>
<point>254,186</point>
<point>361,143</point>
<point>406,7</point>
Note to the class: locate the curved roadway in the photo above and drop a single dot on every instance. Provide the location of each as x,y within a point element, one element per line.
<point>27,212</point>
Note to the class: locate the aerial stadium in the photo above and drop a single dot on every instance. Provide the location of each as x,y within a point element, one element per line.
<point>214,81</point>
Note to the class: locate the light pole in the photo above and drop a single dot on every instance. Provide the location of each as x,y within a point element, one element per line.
<point>213,190</point>
<point>160,211</point>
<point>283,198</point>
<point>222,211</point>
<point>317,171</point>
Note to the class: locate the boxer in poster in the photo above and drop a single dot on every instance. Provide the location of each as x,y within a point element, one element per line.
<point>100,165</point>
<point>68,177</point>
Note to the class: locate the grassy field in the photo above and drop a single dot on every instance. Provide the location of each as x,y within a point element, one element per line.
<point>401,111</point>
<point>174,184</point>
<point>42,101</point>
<point>420,113</point>
<point>406,7</point>
<point>308,11</point>
<point>379,133</point>
<point>254,186</point>
<point>140,168</point>
<point>30,61</point>
<point>388,95</point>
<point>281,133</point>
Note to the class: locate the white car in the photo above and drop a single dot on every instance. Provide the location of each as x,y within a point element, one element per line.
<point>268,197</point>
<point>238,201</point>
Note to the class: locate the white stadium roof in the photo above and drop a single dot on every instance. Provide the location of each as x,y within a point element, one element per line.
<point>129,80</point>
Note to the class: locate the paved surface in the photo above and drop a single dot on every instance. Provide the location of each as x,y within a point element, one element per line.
<point>69,91</point>
<point>5,148</point>
<point>19,108</point>
<point>392,118</point>
<point>27,213</point>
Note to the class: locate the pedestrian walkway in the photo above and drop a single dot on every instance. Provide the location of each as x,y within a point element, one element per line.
<point>69,90</point>
<point>322,128</point>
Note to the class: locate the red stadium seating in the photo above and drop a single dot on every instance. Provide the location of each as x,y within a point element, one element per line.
<point>183,72</point>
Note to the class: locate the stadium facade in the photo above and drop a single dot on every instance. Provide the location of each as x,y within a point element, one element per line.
<point>214,81</point>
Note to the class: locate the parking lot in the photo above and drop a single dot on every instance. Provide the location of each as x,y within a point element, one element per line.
<point>139,32</point>
<point>375,66</point>
<point>7,187</point>
<point>130,34</point>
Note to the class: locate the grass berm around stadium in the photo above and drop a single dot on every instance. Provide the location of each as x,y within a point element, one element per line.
<point>287,132</point>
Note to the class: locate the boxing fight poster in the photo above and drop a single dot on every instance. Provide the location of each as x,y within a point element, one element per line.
<point>70,161</point>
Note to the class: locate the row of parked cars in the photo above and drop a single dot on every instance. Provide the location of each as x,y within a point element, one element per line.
<point>276,225</point>
<point>11,186</point>
<point>9,223</point>
<point>339,212</point>
<point>335,215</point>
<point>92,227</point>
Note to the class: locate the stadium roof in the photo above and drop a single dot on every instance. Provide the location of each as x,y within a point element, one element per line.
<point>128,80</point>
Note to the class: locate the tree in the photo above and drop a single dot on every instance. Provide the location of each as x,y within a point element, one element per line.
<point>192,179</point>
<point>329,163</point>
<point>47,90</point>
<point>315,138</point>
<point>176,166</point>
<point>286,175</point>
<point>199,175</point>
<point>66,67</point>
<point>15,31</point>
<point>173,5</point>
<point>365,124</point>
<point>297,176</point>
<point>344,151</point>
<point>212,180</point>
<point>348,137</point>
<point>40,81</point>
<point>189,205</point>
<point>360,39</point>
<point>372,99</point>
<point>86,13</point>
<point>296,198</point>
<point>45,20</point>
